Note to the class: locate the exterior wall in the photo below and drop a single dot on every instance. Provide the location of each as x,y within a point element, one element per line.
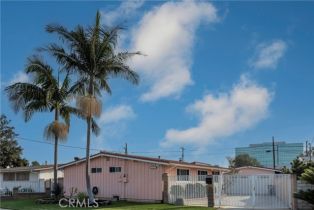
<point>142,181</point>
<point>254,171</point>
<point>48,174</point>
<point>172,171</point>
<point>137,180</point>
<point>34,183</point>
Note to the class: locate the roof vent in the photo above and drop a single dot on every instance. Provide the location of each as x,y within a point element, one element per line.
<point>76,158</point>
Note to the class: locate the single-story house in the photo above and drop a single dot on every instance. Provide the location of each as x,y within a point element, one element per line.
<point>131,177</point>
<point>27,179</point>
<point>254,170</point>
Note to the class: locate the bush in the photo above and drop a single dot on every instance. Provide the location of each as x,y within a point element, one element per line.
<point>190,191</point>
<point>81,196</point>
<point>195,191</point>
<point>177,190</point>
<point>200,190</point>
<point>57,190</point>
<point>308,176</point>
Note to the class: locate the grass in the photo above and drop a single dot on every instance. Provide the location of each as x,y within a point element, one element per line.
<point>29,204</point>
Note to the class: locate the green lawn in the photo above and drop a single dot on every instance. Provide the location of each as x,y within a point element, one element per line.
<point>30,205</point>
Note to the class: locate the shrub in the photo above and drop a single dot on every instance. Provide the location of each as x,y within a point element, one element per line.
<point>195,191</point>
<point>200,190</point>
<point>57,190</point>
<point>81,196</point>
<point>177,190</point>
<point>308,176</point>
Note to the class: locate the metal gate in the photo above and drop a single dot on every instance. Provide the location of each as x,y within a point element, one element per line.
<point>253,191</point>
<point>187,190</point>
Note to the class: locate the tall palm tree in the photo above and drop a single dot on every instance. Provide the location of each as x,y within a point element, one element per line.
<point>90,53</point>
<point>45,94</point>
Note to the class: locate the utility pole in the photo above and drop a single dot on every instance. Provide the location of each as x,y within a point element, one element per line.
<point>306,149</point>
<point>310,145</point>
<point>182,153</point>
<point>125,148</point>
<point>274,161</point>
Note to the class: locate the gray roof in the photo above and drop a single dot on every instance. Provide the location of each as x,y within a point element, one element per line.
<point>27,168</point>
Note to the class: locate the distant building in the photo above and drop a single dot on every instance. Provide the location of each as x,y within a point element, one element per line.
<point>284,153</point>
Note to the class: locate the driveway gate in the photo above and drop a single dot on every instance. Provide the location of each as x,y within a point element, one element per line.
<point>253,191</point>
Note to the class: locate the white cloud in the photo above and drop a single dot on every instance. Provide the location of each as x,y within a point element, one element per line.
<point>223,115</point>
<point>123,12</point>
<point>19,77</point>
<point>113,123</point>
<point>268,55</point>
<point>166,34</point>
<point>116,114</point>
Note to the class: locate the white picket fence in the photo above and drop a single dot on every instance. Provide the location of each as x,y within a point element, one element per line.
<point>24,186</point>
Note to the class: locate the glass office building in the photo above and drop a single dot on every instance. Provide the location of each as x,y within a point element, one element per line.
<point>284,153</point>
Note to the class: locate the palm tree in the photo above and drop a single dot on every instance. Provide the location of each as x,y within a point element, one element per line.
<point>91,54</point>
<point>45,94</point>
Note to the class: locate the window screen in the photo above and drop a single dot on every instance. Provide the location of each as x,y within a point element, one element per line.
<point>23,176</point>
<point>96,170</point>
<point>8,176</point>
<point>183,174</point>
<point>114,169</point>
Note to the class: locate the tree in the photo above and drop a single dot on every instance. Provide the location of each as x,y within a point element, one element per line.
<point>10,151</point>
<point>297,167</point>
<point>307,176</point>
<point>35,163</point>
<point>243,160</point>
<point>45,94</point>
<point>285,170</point>
<point>90,53</point>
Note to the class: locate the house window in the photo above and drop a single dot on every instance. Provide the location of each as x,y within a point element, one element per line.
<point>96,170</point>
<point>114,169</point>
<point>183,174</point>
<point>23,176</point>
<point>8,176</point>
<point>215,172</point>
<point>202,175</point>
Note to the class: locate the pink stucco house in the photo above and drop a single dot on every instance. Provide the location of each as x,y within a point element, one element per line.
<point>130,177</point>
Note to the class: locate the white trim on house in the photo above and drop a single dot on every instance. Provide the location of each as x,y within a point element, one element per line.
<point>143,159</point>
<point>113,156</point>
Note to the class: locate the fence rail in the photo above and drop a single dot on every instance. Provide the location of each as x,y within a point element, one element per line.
<point>23,186</point>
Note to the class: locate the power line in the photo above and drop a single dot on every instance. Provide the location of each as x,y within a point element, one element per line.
<point>62,145</point>
<point>84,148</point>
<point>157,152</point>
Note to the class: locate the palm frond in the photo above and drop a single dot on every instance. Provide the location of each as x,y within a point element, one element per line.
<point>89,105</point>
<point>95,127</point>
<point>20,94</point>
<point>56,129</point>
<point>66,111</point>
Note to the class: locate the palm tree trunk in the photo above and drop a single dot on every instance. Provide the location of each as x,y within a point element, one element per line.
<point>55,163</point>
<point>87,169</point>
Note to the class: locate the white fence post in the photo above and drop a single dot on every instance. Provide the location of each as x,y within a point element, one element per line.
<point>253,190</point>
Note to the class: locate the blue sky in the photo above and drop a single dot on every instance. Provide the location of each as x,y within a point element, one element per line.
<point>217,75</point>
